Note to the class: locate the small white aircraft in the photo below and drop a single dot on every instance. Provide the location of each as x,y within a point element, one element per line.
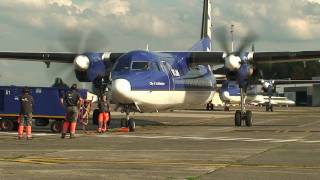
<point>230,94</point>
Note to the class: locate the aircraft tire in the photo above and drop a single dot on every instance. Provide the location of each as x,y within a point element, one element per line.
<point>237,118</point>
<point>131,125</point>
<point>207,108</point>
<point>211,107</point>
<point>248,119</point>
<point>271,108</point>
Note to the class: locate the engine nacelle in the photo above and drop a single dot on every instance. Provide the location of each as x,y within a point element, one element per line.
<point>232,62</point>
<point>244,73</point>
<point>89,66</point>
<point>267,86</point>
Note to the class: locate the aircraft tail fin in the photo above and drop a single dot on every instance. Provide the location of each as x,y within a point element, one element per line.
<point>205,43</point>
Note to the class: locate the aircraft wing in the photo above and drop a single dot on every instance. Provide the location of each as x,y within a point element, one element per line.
<point>41,57</point>
<point>280,81</point>
<point>215,58</point>
<point>48,56</point>
<point>194,57</point>
<point>281,57</point>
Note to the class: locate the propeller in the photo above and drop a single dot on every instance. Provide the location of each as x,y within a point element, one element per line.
<point>91,62</point>
<point>234,60</point>
<point>83,41</point>
<point>60,73</point>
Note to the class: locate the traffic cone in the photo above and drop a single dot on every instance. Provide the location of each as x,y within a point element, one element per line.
<point>123,129</point>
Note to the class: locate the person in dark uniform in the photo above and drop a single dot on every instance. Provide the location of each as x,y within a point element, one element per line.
<point>72,101</point>
<point>26,109</point>
<point>104,110</point>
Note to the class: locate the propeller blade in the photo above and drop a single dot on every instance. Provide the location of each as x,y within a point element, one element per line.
<point>222,39</point>
<point>80,41</point>
<point>246,42</point>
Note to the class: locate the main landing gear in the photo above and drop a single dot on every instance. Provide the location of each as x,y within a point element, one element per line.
<point>269,106</point>
<point>128,122</point>
<point>226,107</point>
<point>243,115</point>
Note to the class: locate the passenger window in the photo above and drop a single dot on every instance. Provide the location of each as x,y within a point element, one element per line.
<point>140,66</point>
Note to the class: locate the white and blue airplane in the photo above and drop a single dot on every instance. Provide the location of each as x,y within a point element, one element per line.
<point>149,81</point>
<point>230,93</point>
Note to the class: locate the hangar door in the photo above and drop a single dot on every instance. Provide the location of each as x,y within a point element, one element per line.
<point>301,98</point>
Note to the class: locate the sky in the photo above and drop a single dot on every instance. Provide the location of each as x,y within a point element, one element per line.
<point>123,25</point>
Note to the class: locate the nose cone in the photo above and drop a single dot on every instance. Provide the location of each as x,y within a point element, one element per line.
<point>225,95</point>
<point>121,91</point>
<point>81,63</point>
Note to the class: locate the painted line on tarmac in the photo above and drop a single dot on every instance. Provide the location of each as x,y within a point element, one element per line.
<point>52,161</point>
<point>34,134</point>
<point>268,140</point>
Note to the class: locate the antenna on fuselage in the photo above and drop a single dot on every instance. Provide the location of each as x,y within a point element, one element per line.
<point>147,48</point>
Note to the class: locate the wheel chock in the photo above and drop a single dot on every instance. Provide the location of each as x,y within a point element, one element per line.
<point>123,129</point>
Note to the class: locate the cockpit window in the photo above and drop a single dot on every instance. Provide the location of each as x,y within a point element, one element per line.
<point>140,66</point>
<point>122,65</point>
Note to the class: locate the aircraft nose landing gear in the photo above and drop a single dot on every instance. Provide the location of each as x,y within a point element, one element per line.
<point>243,115</point>
<point>127,122</point>
<point>246,117</point>
<point>269,106</point>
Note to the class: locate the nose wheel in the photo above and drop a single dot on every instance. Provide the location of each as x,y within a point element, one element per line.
<point>243,115</point>
<point>269,106</point>
<point>128,122</point>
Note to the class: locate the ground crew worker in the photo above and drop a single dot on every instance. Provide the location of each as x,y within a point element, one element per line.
<point>25,117</point>
<point>72,101</point>
<point>104,110</point>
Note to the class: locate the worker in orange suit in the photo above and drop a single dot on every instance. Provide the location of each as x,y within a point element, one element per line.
<point>104,110</point>
<point>72,101</point>
<point>25,118</point>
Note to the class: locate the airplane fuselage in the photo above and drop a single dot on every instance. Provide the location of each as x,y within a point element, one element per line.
<point>230,94</point>
<point>154,81</point>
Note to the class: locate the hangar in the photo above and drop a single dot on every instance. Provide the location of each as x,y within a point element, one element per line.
<point>302,94</point>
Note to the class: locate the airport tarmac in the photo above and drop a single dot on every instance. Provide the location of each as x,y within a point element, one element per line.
<point>184,144</point>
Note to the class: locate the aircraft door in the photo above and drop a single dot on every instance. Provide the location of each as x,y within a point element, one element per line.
<point>166,68</point>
